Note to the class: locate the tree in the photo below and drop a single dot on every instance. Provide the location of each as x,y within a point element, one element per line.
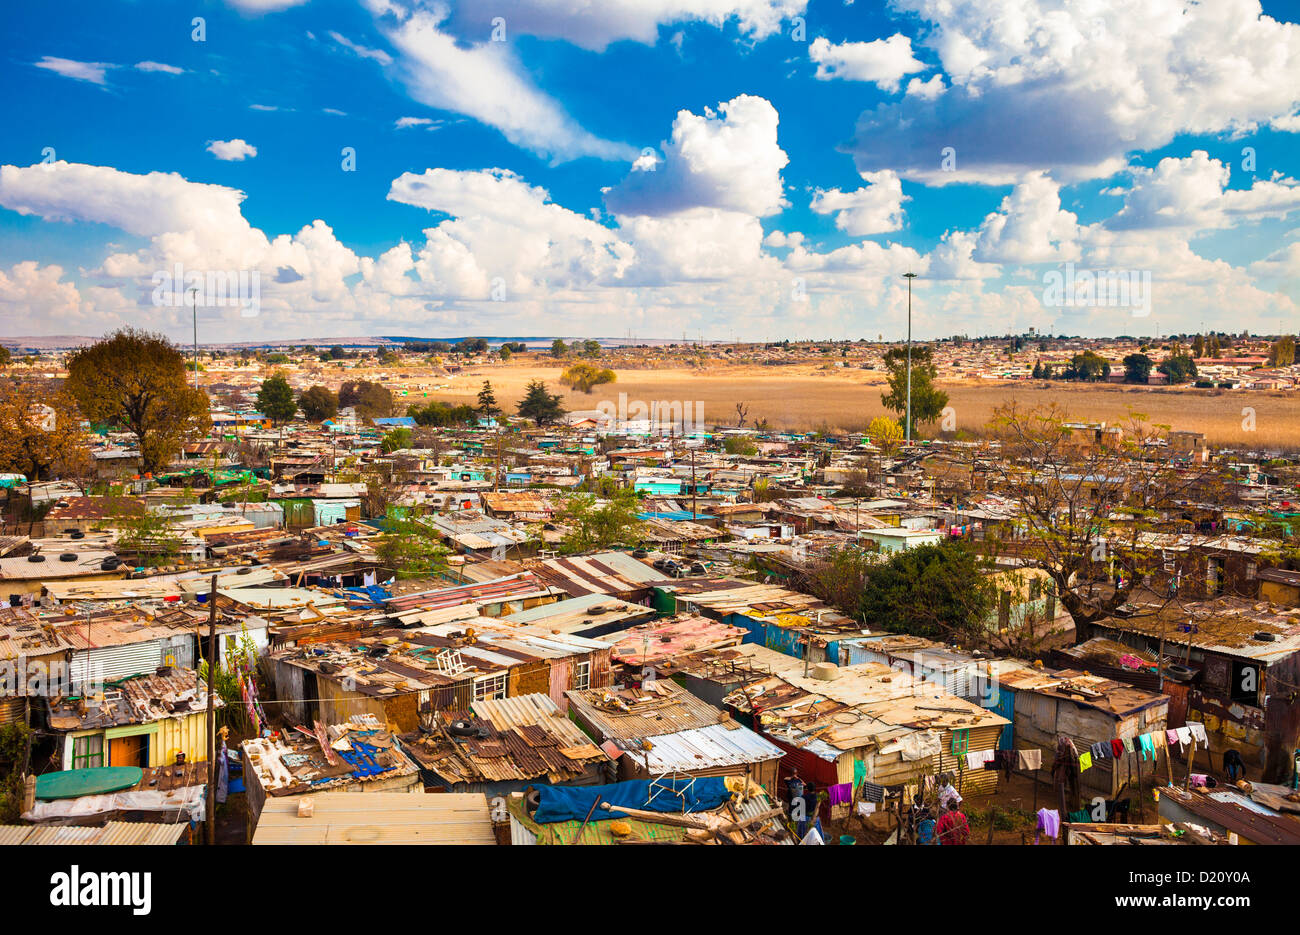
<point>5,357</point>
<point>583,377</point>
<point>1198,346</point>
<point>408,548</point>
<point>1282,352</point>
<point>1179,368</point>
<point>1085,507</point>
<point>928,402</point>
<point>442,415</point>
<point>505,353</point>
<point>559,348</point>
<point>840,577</point>
<point>539,405</point>
<point>373,400</point>
<point>396,440</point>
<point>487,401</point>
<point>318,404</point>
<point>599,524</point>
<point>935,591</point>
<point>152,537</point>
<point>275,399</point>
<point>40,433</point>
<point>137,380</point>
<point>1038,371</point>
<point>1137,368</point>
<point>1088,367</point>
<point>740,445</point>
<point>590,348</point>
<point>885,433</point>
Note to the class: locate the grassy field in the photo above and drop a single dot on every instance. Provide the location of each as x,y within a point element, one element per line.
<point>803,397</point>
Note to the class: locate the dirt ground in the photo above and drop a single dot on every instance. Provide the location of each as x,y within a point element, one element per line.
<point>803,397</point>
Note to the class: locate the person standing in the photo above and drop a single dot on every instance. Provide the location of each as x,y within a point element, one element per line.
<point>953,828</point>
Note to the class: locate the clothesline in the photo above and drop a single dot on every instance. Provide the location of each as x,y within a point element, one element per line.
<point>1145,745</point>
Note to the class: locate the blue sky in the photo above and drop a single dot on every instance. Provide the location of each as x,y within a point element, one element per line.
<point>725,168</point>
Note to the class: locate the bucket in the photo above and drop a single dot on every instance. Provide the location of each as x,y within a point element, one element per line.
<point>848,839</point>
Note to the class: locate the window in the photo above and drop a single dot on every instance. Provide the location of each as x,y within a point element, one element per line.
<point>88,751</point>
<point>490,688</point>
<point>582,675</point>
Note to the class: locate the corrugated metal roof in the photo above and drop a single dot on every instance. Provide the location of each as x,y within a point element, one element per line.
<point>707,748</point>
<point>113,832</point>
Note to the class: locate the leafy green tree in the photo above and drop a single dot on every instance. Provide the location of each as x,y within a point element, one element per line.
<point>740,445</point>
<point>599,524</point>
<point>443,415</point>
<point>539,405</point>
<point>935,591</point>
<point>1087,366</point>
<point>1179,368</point>
<point>590,348</point>
<point>408,548</point>
<point>275,399</point>
<point>559,348</point>
<point>928,402</point>
<point>137,380</point>
<point>319,403</point>
<point>504,352</point>
<point>396,440</point>
<point>1282,352</point>
<point>151,536</point>
<point>1137,368</point>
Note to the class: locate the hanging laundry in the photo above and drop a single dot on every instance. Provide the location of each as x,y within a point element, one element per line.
<point>1099,750</point>
<point>1117,748</point>
<point>1029,759</point>
<point>1148,747</point>
<point>859,772</point>
<point>1049,822</point>
<point>978,759</point>
<point>1171,736</point>
<point>1197,730</point>
<point>872,792</point>
<point>841,794</point>
<point>1128,745</point>
<point>1184,737</point>
<point>1085,761</point>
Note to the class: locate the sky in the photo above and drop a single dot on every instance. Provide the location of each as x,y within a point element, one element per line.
<point>715,169</point>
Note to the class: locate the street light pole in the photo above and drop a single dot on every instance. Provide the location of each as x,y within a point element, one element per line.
<point>194,305</point>
<point>909,277</point>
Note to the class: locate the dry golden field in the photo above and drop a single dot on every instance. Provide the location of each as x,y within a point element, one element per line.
<point>804,397</point>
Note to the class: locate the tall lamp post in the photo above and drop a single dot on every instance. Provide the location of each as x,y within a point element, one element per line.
<point>194,305</point>
<point>909,277</point>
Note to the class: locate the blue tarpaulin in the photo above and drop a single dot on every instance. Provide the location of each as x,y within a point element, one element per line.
<point>572,803</point>
<point>372,595</point>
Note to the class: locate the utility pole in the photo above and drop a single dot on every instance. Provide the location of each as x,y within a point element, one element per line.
<point>210,813</point>
<point>694,512</point>
<point>909,277</point>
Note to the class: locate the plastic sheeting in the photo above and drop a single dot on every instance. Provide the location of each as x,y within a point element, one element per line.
<point>572,803</point>
<point>186,802</point>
